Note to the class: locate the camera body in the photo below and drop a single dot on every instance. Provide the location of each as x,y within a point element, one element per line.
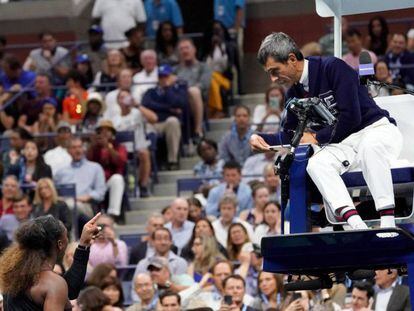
<point>314,110</point>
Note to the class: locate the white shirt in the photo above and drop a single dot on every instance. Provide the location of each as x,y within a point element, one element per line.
<point>261,231</point>
<point>150,80</point>
<point>255,165</point>
<point>111,101</point>
<point>117,16</point>
<point>222,231</point>
<point>259,113</point>
<point>304,79</point>
<point>383,297</point>
<point>57,158</point>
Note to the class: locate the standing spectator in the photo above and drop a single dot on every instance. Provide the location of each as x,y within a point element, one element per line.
<point>107,248</point>
<point>169,103</point>
<point>49,58</point>
<point>117,17</point>
<point>378,36</point>
<point>148,77</point>
<point>398,56</point>
<point>235,286</point>
<point>46,202</point>
<point>9,190</point>
<point>112,65</point>
<point>362,295</point>
<point>145,245</point>
<point>95,108</point>
<point>113,158</point>
<point>235,143</point>
<point>389,295</point>
<point>96,48</point>
<point>180,228</point>
<point>198,76</point>
<point>228,209</point>
<point>14,78</point>
<point>210,165</point>
<point>31,167</point>
<point>232,184</point>
<point>272,221</point>
<point>59,157</point>
<point>88,190</point>
<point>231,14</point>
<point>354,41</point>
<point>255,216</point>
<point>132,117</point>
<point>159,11</point>
<point>145,288</point>
<point>166,42</point>
<point>132,52</point>
<point>74,104</point>
<point>21,213</point>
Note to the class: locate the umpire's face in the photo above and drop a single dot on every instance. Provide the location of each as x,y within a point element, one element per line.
<point>286,73</point>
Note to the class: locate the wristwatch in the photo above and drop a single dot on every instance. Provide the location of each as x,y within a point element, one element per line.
<point>167,284</point>
<point>84,248</point>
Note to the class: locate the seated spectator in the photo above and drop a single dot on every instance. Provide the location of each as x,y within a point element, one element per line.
<point>48,118</point>
<point>145,245</point>
<point>255,164</point>
<point>239,243</point>
<point>398,56</point>
<point>83,66</point>
<point>132,52</point>
<point>49,58</point>
<point>270,111</point>
<point>96,48</point>
<point>179,226</point>
<point>362,297</point>
<point>14,78</point>
<point>148,77</point>
<point>115,18</point>
<point>169,103</point>
<point>17,138</point>
<point>270,288</point>
<point>272,181</point>
<point>198,76</point>
<point>113,158</point>
<point>145,288</point>
<point>9,190</point>
<point>210,165</point>
<point>167,213</point>
<point>100,273</point>
<point>232,183</point>
<point>354,41</point>
<point>88,190</point>
<point>228,209</point>
<point>271,222</point>
<point>203,227</point>
<point>235,286</point>
<point>162,240</point>
<point>166,41</point>
<point>112,289</point>
<point>92,298</point>
<point>59,156</point>
<point>206,253</point>
<point>255,266</point>
<point>255,216</point>
<point>74,104</point>
<point>21,212</point>
<point>378,36</point>
<point>46,202</point>
<point>170,301</point>
<point>95,107</point>
<point>133,117</point>
<point>382,74</point>
<point>106,247</point>
<point>195,211</point>
<point>31,167</point>
<point>234,146</point>
<point>10,114</point>
<point>385,283</point>
<point>162,11</point>
<point>32,107</point>
<point>111,67</point>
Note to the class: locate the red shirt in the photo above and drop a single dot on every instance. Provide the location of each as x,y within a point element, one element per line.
<point>111,164</point>
<point>74,107</point>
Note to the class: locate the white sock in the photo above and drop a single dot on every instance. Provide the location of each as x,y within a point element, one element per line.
<point>387,217</point>
<point>357,223</point>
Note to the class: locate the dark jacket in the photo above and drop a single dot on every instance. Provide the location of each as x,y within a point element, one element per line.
<point>58,210</point>
<point>337,84</point>
<point>19,170</point>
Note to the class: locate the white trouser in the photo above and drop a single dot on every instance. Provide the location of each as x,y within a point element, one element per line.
<point>372,150</point>
<point>116,186</point>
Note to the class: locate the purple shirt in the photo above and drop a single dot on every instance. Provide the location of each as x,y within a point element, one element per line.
<point>104,253</point>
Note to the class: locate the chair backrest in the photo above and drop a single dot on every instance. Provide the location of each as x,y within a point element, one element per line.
<point>131,239</point>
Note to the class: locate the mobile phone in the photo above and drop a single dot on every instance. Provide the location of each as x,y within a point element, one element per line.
<point>228,300</point>
<point>296,296</point>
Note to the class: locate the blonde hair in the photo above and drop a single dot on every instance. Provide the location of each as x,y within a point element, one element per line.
<point>210,255</point>
<point>49,182</point>
<point>122,65</point>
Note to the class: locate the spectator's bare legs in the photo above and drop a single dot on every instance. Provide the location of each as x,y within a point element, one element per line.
<point>197,108</point>
<point>144,169</point>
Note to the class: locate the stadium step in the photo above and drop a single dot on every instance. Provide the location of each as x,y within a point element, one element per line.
<point>152,203</point>
<point>220,124</point>
<point>188,163</point>
<point>139,217</point>
<point>215,135</point>
<point>130,229</point>
<point>165,189</point>
<point>166,177</point>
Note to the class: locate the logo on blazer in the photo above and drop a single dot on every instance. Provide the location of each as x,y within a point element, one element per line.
<point>329,99</point>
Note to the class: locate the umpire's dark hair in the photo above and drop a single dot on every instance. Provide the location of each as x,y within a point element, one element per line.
<point>278,46</point>
<point>366,287</point>
<point>168,294</point>
<point>353,32</point>
<point>232,165</point>
<point>207,141</point>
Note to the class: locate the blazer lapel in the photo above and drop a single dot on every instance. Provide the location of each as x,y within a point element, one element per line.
<point>314,73</point>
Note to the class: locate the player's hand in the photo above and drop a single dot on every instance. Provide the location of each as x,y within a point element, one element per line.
<point>89,231</point>
<point>258,143</point>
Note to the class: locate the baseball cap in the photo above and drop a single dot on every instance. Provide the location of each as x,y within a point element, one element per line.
<point>62,125</point>
<point>164,70</point>
<point>95,28</point>
<point>157,262</point>
<point>82,58</point>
